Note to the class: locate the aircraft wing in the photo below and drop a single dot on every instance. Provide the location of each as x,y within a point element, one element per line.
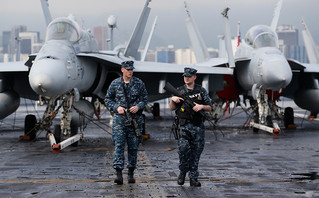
<point>13,67</point>
<point>311,68</point>
<point>303,67</point>
<point>14,76</point>
<point>155,74</point>
<point>112,60</point>
<point>202,68</point>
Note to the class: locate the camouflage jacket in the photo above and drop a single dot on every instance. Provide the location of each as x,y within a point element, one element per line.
<point>135,90</point>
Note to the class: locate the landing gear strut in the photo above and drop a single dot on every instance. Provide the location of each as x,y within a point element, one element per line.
<point>262,117</point>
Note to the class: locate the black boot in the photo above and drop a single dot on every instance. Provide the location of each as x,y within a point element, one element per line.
<point>194,182</point>
<point>131,178</point>
<point>119,177</point>
<point>181,179</point>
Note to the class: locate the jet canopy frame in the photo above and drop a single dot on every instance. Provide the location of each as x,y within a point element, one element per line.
<point>63,29</point>
<point>261,36</point>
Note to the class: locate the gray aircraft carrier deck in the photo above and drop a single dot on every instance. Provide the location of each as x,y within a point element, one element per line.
<point>240,164</point>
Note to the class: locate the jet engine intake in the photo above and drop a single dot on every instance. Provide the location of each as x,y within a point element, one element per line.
<point>9,103</point>
<point>308,99</point>
<point>83,106</point>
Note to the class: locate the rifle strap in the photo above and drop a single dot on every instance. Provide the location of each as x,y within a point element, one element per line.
<point>125,94</point>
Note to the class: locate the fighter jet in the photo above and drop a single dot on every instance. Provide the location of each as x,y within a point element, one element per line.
<point>304,88</point>
<point>263,74</point>
<point>69,68</point>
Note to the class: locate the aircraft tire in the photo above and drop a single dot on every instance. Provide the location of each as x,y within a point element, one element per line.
<point>256,120</point>
<point>269,121</point>
<point>74,131</point>
<point>156,110</point>
<point>144,118</point>
<point>57,133</point>
<point>288,117</point>
<point>29,126</point>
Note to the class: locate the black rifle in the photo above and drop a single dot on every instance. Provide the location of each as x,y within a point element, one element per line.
<point>175,129</point>
<point>128,114</point>
<point>132,122</point>
<point>168,87</point>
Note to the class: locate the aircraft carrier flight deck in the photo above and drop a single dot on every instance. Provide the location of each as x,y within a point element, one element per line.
<point>239,164</point>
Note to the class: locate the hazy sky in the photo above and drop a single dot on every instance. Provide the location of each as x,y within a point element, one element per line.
<point>171,16</point>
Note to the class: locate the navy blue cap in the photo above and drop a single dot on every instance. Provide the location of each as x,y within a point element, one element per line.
<point>189,71</point>
<point>128,64</point>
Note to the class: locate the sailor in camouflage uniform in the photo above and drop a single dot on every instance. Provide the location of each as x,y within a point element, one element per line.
<point>122,130</point>
<point>191,143</point>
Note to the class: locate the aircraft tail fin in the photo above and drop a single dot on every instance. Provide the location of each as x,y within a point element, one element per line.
<point>222,48</point>
<point>227,38</point>
<point>149,40</point>
<point>199,47</point>
<point>275,18</point>
<point>312,51</point>
<point>136,37</point>
<point>46,11</point>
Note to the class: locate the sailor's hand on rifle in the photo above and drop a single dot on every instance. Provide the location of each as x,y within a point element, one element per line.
<point>121,110</point>
<point>134,109</point>
<point>177,99</point>
<point>197,107</point>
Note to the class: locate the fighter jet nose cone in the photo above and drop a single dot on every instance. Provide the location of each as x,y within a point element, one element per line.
<point>40,83</point>
<point>278,74</point>
<point>48,77</point>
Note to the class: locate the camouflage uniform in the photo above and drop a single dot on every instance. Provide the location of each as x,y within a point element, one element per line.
<point>191,144</point>
<point>121,133</point>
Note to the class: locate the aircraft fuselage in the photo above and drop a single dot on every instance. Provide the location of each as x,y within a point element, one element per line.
<point>56,69</point>
<point>267,68</point>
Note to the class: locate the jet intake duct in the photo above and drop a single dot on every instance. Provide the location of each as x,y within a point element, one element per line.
<point>83,106</point>
<point>308,99</point>
<point>9,103</point>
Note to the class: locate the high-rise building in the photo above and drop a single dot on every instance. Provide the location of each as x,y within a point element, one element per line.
<point>27,41</point>
<point>150,56</point>
<point>289,34</point>
<point>15,30</point>
<point>288,37</point>
<point>5,41</point>
<point>185,56</point>
<point>101,35</point>
<point>166,54</point>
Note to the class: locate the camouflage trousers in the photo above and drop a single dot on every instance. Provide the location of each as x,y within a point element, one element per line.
<point>190,147</point>
<point>122,135</point>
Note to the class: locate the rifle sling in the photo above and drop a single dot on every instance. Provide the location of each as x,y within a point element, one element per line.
<point>126,99</point>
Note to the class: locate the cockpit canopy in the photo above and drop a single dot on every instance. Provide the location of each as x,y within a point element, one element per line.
<point>261,36</point>
<point>63,29</point>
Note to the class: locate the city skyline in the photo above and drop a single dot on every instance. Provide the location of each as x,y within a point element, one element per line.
<point>170,28</point>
